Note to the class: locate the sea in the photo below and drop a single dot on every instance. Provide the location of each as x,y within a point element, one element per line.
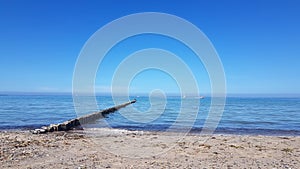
<point>241,115</point>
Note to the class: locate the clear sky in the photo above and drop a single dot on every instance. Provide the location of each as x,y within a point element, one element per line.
<point>258,42</point>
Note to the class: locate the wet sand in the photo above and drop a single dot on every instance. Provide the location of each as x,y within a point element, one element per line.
<point>124,149</point>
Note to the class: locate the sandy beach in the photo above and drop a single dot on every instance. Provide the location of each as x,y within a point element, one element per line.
<point>132,149</point>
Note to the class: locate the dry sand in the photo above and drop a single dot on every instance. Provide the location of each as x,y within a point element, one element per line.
<point>124,149</point>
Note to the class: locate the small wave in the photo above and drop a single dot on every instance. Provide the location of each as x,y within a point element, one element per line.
<point>111,132</point>
<point>249,131</point>
<point>21,127</point>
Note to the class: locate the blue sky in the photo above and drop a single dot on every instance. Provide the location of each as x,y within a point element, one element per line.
<point>258,43</point>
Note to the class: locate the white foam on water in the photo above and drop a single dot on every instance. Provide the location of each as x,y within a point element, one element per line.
<point>110,132</point>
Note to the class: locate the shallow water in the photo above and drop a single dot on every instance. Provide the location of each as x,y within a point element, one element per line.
<point>268,116</point>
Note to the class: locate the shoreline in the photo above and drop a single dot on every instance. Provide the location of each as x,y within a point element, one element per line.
<point>110,148</point>
<point>194,131</point>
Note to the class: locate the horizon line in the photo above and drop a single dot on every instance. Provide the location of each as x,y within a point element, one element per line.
<point>146,94</point>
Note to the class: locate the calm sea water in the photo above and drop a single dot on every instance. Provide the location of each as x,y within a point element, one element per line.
<point>268,116</point>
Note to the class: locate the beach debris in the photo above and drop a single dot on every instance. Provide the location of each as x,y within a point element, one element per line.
<point>76,123</point>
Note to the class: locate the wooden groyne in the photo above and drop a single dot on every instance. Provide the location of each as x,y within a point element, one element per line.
<point>76,123</point>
